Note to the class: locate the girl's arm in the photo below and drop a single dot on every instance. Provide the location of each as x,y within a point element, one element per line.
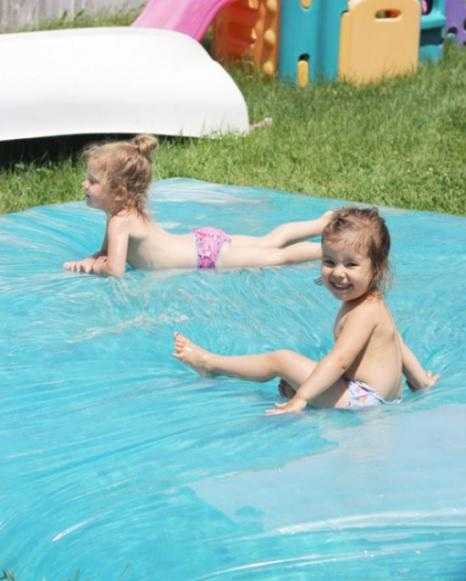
<point>116,243</point>
<point>352,339</point>
<point>416,376</point>
<point>103,249</point>
<point>87,264</point>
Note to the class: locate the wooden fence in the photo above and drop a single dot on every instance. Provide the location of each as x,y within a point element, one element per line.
<point>15,14</point>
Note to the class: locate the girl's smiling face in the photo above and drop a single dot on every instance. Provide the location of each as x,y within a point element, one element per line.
<point>346,269</point>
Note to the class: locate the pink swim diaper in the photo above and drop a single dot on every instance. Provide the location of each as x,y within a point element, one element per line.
<point>209,242</point>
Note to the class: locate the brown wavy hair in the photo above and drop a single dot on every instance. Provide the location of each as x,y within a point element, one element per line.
<point>126,170</point>
<point>373,238</point>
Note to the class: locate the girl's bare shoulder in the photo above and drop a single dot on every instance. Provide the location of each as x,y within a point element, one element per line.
<point>371,306</point>
<point>366,311</point>
<point>377,311</point>
<point>128,219</point>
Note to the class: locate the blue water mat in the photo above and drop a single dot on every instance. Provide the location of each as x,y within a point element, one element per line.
<point>120,463</point>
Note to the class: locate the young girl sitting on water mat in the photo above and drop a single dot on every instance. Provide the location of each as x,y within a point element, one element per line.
<point>118,176</point>
<point>366,364</point>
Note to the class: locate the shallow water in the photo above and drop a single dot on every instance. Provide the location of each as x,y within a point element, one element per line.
<point>120,463</point>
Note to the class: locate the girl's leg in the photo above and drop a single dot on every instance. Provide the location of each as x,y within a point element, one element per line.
<point>252,256</point>
<point>291,366</point>
<point>295,231</point>
<point>288,365</point>
<point>285,234</point>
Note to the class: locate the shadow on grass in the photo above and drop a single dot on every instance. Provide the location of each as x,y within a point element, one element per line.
<point>49,149</point>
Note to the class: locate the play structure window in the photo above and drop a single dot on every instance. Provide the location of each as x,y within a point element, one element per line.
<point>426,6</point>
<point>386,14</point>
<point>303,70</point>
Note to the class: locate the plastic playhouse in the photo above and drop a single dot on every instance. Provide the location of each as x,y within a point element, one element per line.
<point>307,40</point>
<point>360,41</point>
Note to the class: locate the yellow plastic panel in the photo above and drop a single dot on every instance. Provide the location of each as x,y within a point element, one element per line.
<point>379,39</point>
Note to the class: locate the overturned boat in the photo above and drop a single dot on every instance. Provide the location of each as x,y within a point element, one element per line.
<point>114,80</point>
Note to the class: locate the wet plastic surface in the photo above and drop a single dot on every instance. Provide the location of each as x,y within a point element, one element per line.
<point>120,463</point>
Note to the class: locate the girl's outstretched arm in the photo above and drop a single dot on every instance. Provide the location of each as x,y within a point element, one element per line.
<point>416,376</point>
<point>116,242</point>
<point>86,265</point>
<point>352,339</point>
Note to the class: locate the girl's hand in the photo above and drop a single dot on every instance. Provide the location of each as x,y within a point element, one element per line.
<point>294,406</point>
<point>85,265</point>
<point>428,381</point>
<point>431,379</point>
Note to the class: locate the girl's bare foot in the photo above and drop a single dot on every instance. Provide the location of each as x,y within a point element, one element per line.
<point>193,355</point>
<point>285,389</point>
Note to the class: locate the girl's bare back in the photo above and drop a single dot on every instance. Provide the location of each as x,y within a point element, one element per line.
<point>151,247</point>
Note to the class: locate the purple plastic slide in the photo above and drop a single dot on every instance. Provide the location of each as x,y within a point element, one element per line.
<point>192,17</point>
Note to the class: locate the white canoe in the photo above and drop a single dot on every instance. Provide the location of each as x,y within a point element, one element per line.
<point>114,80</point>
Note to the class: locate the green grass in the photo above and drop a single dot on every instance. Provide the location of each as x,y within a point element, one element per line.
<point>400,143</point>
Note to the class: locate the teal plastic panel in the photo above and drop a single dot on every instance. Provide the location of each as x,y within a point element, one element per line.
<point>312,33</point>
<point>432,32</point>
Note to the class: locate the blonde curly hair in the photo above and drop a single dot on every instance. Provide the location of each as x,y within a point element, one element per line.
<point>125,168</point>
